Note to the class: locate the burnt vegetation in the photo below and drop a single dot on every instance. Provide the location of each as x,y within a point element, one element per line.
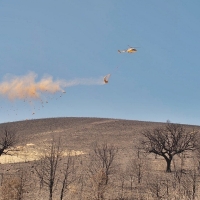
<point>8,140</point>
<point>118,163</point>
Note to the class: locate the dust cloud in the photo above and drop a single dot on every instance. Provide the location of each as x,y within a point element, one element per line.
<point>21,87</point>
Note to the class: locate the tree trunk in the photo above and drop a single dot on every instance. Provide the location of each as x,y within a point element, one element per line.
<point>1,151</point>
<point>50,193</point>
<point>50,196</point>
<point>168,169</point>
<point>61,195</point>
<point>63,189</point>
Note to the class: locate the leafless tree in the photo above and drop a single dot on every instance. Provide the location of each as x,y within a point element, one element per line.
<point>101,166</point>
<point>98,184</point>
<point>8,140</point>
<point>9,189</point>
<point>105,156</point>
<point>155,186</point>
<point>68,174</point>
<point>135,169</point>
<point>122,184</point>
<point>192,181</point>
<point>47,167</point>
<point>15,185</point>
<point>130,173</point>
<point>23,182</point>
<point>169,141</point>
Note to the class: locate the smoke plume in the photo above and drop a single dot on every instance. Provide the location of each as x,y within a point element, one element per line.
<point>20,87</point>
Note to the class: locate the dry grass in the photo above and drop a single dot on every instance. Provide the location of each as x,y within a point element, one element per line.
<point>29,152</point>
<point>78,135</point>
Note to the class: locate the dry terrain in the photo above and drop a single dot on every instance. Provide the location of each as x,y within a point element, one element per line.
<point>78,136</point>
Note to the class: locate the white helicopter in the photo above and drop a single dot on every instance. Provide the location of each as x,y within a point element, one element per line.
<point>129,50</point>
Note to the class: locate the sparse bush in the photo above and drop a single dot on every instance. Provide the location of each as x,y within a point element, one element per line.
<point>12,189</point>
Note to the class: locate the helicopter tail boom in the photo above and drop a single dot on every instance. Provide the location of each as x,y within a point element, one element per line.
<point>122,51</point>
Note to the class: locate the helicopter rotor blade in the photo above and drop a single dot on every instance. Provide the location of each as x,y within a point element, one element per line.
<point>133,47</point>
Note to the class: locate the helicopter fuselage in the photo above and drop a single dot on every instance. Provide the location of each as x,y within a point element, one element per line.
<point>131,50</point>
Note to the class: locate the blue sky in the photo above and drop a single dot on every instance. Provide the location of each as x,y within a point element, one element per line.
<point>79,39</point>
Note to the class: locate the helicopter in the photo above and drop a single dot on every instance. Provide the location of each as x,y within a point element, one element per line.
<point>129,50</point>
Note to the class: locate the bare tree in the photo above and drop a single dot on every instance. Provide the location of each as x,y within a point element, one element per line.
<point>169,141</point>
<point>105,156</point>
<point>8,140</point>
<point>192,181</point>
<point>15,185</point>
<point>156,187</point>
<point>98,184</point>
<point>135,169</point>
<point>101,167</point>
<point>122,184</point>
<point>68,174</point>
<point>9,189</point>
<point>47,167</point>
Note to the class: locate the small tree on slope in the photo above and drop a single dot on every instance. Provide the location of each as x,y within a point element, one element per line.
<point>8,140</point>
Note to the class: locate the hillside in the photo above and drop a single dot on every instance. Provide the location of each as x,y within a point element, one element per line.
<point>84,130</point>
<point>78,135</point>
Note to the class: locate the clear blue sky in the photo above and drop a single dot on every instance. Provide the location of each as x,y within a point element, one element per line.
<point>79,39</point>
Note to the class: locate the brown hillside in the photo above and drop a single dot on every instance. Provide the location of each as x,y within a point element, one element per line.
<point>79,133</point>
